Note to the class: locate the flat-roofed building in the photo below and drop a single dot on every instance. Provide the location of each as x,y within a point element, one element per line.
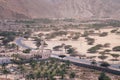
<point>4,60</point>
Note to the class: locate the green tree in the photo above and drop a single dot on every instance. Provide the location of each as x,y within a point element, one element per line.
<point>46,75</point>
<point>26,51</point>
<point>115,56</point>
<point>22,70</point>
<point>30,76</point>
<point>15,56</point>
<point>95,48</point>
<point>62,74</point>
<point>102,57</point>
<point>38,75</point>
<point>6,72</point>
<point>67,63</point>
<point>4,66</point>
<point>71,51</point>
<point>72,75</point>
<point>38,42</point>
<point>117,48</point>
<point>33,64</point>
<point>103,77</point>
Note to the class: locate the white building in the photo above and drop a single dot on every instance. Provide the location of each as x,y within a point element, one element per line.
<point>4,60</point>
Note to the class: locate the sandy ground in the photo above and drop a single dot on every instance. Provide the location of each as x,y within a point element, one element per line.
<point>81,45</point>
<point>12,77</point>
<point>30,43</point>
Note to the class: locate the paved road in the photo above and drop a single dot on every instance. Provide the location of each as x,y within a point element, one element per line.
<point>19,43</point>
<point>72,59</point>
<point>85,61</point>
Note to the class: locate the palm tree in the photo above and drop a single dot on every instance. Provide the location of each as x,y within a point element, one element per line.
<point>15,56</point>
<point>62,74</point>
<point>38,75</point>
<point>72,75</point>
<point>63,66</point>
<point>6,73</point>
<point>22,70</point>
<point>103,77</point>
<point>17,47</point>
<point>4,69</point>
<point>33,64</point>
<point>67,47</point>
<point>67,63</point>
<point>46,75</point>
<point>30,76</point>
<point>4,66</point>
<point>71,51</point>
<point>63,70</point>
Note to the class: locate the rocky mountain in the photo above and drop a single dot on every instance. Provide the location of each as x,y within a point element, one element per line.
<point>59,9</point>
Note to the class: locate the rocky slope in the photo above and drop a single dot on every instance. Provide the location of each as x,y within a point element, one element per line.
<point>59,8</point>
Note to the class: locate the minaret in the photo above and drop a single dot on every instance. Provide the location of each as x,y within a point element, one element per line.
<point>63,48</point>
<point>42,46</point>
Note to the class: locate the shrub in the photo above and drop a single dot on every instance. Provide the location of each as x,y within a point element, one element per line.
<point>76,37</point>
<point>113,31</point>
<point>85,34</point>
<point>107,45</point>
<point>103,34</point>
<point>104,64</point>
<point>55,34</point>
<point>117,48</point>
<point>57,48</point>
<point>26,51</point>
<point>71,51</point>
<point>95,48</point>
<point>90,41</point>
<point>102,57</point>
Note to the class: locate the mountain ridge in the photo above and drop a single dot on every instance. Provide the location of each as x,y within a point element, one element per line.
<point>59,9</point>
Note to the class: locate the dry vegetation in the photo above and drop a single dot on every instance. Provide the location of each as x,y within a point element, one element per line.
<point>98,42</point>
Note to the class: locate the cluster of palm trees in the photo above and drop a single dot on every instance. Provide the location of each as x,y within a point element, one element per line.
<point>41,70</point>
<point>4,70</point>
<point>47,70</point>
